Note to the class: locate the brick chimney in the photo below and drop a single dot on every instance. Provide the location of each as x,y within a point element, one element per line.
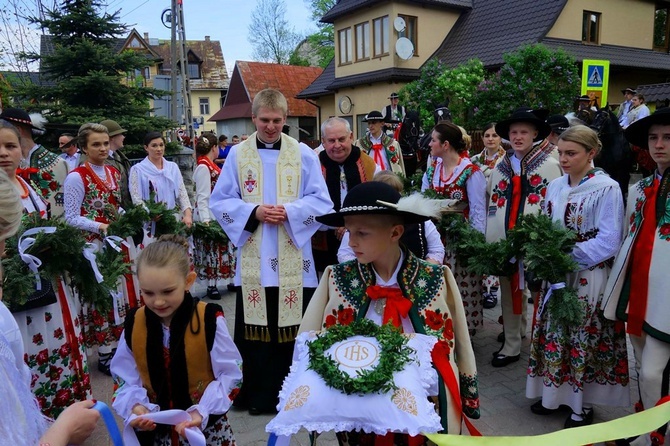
<point>206,38</point>
<point>146,36</point>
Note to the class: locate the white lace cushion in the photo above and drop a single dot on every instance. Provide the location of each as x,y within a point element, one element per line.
<point>305,401</point>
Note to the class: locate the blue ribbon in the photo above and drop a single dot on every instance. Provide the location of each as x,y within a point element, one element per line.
<point>110,422</point>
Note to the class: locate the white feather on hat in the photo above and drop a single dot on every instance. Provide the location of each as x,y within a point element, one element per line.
<point>39,123</point>
<point>420,205</point>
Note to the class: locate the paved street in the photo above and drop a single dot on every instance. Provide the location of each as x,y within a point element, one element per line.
<point>505,409</point>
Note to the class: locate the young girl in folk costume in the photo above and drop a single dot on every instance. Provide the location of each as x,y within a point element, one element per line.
<point>50,333</point>
<point>213,261</point>
<point>386,283</point>
<point>487,160</point>
<point>155,174</point>
<point>422,239</point>
<point>587,364</point>
<point>176,353</point>
<point>91,190</point>
<point>453,176</point>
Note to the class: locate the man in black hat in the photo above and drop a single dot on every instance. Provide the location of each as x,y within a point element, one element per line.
<point>585,111</point>
<point>637,290</point>
<point>382,148</point>
<point>343,166</point>
<point>558,124</point>
<point>393,112</point>
<point>625,106</point>
<point>517,187</point>
<point>426,300</point>
<point>45,170</point>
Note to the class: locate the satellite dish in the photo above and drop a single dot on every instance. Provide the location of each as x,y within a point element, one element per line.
<point>399,24</point>
<point>404,48</point>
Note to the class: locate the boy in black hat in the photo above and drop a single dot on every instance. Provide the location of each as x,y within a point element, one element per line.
<point>516,187</point>
<point>381,147</point>
<point>637,290</point>
<point>386,283</point>
<point>45,170</point>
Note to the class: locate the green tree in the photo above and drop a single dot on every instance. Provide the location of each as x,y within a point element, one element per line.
<point>533,76</point>
<point>88,78</point>
<point>438,85</point>
<point>323,40</point>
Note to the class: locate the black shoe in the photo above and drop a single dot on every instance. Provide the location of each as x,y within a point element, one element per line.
<point>231,287</point>
<point>587,419</point>
<point>504,360</point>
<point>501,337</point>
<point>104,359</point>
<point>490,301</point>
<point>538,409</point>
<point>213,293</point>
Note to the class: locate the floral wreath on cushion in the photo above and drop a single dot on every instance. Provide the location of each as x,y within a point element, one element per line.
<point>394,355</point>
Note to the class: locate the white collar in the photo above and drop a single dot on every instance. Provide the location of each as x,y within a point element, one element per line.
<point>393,281</point>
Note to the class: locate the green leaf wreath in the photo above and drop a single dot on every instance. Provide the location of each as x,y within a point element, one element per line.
<point>61,256</point>
<point>129,223</point>
<point>545,246</point>
<point>394,355</point>
<point>165,220</point>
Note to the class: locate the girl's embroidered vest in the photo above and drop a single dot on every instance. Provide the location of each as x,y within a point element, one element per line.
<point>213,171</point>
<point>538,169</point>
<point>198,363</point>
<point>456,190</point>
<point>97,196</point>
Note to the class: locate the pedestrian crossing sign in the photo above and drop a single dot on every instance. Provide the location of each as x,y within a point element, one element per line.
<point>595,77</point>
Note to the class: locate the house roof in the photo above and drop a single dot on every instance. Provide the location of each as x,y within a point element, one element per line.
<point>654,92</point>
<point>17,78</point>
<point>617,55</point>
<point>253,77</point>
<point>208,52</point>
<point>344,7</point>
<point>214,75</point>
<point>320,85</point>
<point>495,27</point>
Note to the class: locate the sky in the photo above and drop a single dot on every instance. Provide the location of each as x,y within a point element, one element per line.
<point>223,20</point>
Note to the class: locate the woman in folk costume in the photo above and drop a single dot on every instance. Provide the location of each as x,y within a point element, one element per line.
<point>50,333</point>
<point>91,190</point>
<point>423,239</point>
<point>386,283</point>
<point>22,422</point>
<point>579,366</point>
<point>487,160</point>
<point>637,290</point>
<point>492,153</point>
<point>453,176</point>
<point>154,174</point>
<point>269,192</point>
<point>175,353</point>
<point>213,261</point>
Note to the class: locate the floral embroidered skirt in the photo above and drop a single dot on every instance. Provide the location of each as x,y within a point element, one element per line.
<point>584,364</point>
<point>470,287</point>
<point>55,353</point>
<point>214,261</point>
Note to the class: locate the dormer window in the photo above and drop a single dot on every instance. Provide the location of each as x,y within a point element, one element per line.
<point>194,70</point>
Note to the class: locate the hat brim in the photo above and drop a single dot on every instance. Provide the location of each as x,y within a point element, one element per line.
<point>638,132</point>
<point>117,132</point>
<point>17,121</point>
<point>336,219</point>
<point>543,129</point>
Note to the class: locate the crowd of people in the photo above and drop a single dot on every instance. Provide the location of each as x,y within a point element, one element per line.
<point>291,216</point>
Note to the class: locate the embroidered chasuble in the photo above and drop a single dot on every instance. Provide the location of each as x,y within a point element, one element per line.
<point>288,182</point>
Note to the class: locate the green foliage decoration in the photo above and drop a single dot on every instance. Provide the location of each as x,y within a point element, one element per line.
<point>394,355</point>
<point>208,232</point>
<point>545,247</point>
<point>164,220</point>
<point>61,256</point>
